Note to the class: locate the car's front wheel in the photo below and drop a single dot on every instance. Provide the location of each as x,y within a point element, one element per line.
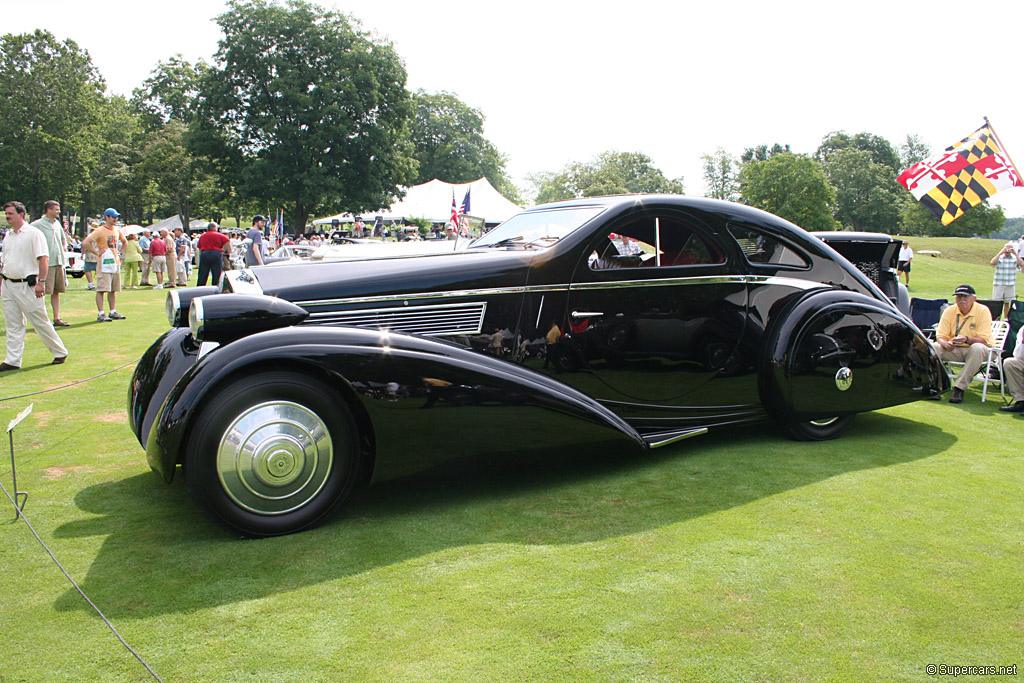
<point>818,430</point>
<point>272,453</point>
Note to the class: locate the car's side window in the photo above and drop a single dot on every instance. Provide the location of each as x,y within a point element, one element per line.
<point>655,241</point>
<point>760,248</point>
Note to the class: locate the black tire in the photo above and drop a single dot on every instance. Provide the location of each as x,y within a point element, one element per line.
<point>817,430</point>
<point>299,454</point>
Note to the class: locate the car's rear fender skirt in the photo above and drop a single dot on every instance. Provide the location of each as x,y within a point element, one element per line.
<point>423,399</point>
<point>831,352</point>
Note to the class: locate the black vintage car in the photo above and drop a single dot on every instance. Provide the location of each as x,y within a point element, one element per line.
<point>658,317</point>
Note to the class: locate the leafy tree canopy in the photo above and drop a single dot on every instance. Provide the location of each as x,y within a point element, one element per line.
<point>610,173</point>
<point>762,152</point>
<point>792,186</point>
<point>720,176</point>
<point>913,150</point>
<point>171,92</point>
<point>867,193</point>
<point>303,109</point>
<point>878,147</point>
<point>47,119</point>
<point>449,144</point>
<point>981,220</point>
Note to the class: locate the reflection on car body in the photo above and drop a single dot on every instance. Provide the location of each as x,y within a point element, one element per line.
<point>677,315</point>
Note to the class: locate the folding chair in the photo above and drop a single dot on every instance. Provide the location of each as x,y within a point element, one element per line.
<point>926,313</point>
<point>993,364</point>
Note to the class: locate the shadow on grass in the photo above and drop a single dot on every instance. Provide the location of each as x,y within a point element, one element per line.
<point>161,556</point>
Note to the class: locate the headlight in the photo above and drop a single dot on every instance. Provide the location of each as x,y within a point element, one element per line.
<point>223,318</point>
<point>179,300</point>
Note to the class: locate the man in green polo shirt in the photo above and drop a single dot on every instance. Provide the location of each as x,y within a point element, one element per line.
<point>56,244</point>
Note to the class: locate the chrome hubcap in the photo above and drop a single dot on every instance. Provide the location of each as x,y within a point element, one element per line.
<point>824,423</point>
<point>274,458</point>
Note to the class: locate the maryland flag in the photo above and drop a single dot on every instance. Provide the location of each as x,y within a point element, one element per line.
<point>962,176</point>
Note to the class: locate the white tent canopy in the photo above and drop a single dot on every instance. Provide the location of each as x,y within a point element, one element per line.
<point>174,222</point>
<point>433,201</point>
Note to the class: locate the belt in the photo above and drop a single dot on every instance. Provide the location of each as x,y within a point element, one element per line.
<point>15,279</point>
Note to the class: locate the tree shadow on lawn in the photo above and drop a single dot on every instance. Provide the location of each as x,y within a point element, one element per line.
<point>162,556</point>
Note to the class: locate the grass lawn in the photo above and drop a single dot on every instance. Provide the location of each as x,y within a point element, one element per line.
<point>738,556</point>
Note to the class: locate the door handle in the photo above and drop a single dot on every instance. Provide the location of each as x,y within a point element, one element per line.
<point>576,315</point>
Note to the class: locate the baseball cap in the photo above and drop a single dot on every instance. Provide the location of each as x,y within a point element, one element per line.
<point>112,212</point>
<point>965,290</point>
<point>259,217</point>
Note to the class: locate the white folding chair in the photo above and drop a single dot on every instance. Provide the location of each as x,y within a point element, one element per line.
<point>1000,329</point>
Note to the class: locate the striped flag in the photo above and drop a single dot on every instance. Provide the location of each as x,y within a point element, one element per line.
<point>962,176</point>
<point>454,220</point>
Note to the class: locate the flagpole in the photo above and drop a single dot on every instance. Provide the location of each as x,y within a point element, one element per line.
<point>1002,146</point>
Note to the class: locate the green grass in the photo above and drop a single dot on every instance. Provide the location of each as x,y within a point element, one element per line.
<point>962,261</point>
<point>735,556</point>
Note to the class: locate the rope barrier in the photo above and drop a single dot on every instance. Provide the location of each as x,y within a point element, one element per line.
<point>75,383</point>
<point>77,587</point>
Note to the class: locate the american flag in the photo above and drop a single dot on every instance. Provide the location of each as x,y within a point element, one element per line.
<point>464,211</point>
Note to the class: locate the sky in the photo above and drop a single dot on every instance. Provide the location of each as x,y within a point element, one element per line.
<point>562,81</point>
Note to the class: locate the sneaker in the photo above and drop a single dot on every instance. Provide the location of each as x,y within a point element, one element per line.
<point>957,396</point>
<point>158,287</point>
<point>102,318</point>
<point>90,286</point>
<point>114,315</point>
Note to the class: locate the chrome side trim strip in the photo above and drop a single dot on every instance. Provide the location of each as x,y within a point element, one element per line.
<point>666,438</point>
<point>539,289</point>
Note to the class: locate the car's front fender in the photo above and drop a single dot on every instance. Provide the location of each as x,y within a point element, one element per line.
<point>424,398</point>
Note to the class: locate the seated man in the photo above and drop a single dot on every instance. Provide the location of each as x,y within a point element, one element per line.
<point>1013,371</point>
<point>964,336</point>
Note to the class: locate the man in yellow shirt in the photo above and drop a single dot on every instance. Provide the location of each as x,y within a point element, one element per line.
<point>964,336</point>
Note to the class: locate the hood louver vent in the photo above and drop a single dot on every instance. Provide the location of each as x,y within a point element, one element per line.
<point>432,321</point>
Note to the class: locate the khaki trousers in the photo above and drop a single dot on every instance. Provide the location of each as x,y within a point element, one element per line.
<point>971,356</point>
<point>1013,371</point>
<point>20,303</point>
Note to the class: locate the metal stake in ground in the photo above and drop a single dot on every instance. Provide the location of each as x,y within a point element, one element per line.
<point>14,473</point>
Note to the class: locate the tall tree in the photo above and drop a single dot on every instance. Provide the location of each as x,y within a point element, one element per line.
<point>867,194</point>
<point>47,119</point>
<point>877,147</point>
<point>913,150</point>
<point>178,175</point>
<point>449,144</point>
<point>720,175</point>
<point>171,92</point>
<point>610,173</point>
<point>762,152</point>
<point>792,186</point>
<point>301,109</point>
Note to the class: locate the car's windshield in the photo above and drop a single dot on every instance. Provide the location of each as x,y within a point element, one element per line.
<point>538,228</point>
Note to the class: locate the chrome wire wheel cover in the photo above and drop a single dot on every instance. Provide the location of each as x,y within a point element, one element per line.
<point>274,458</point>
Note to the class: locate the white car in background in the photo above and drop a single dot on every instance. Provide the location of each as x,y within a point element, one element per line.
<point>74,264</point>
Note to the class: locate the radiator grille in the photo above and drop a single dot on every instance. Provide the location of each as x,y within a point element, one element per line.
<point>432,321</point>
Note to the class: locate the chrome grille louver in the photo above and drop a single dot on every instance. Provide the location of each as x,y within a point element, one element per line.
<point>433,321</point>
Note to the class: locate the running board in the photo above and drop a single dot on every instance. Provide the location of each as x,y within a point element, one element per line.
<point>659,439</point>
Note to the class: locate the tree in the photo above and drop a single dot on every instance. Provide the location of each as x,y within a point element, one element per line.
<point>115,178</point>
<point>762,152</point>
<point>867,193</point>
<point>792,186</point>
<point>47,119</point>
<point>913,150</point>
<point>177,174</point>
<point>720,175</point>
<point>610,173</point>
<point>879,149</point>
<point>981,220</point>
<point>448,143</point>
<point>171,92</point>
<point>301,109</point>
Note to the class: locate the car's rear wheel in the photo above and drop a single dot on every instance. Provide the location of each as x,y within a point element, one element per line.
<point>818,430</point>
<point>272,453</point>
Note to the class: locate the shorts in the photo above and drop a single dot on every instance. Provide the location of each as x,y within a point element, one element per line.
<point>89,267</point>
<point>902,267</point>
<point>1004,292</point>
<point>56,280</point>
<point>159,264</point>
<point>108,282</point>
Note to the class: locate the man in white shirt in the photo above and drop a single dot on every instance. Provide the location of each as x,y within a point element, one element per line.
<point>25,263</point>
<point>903,261</point>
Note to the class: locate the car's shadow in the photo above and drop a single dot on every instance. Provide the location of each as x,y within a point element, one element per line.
<point>160,555</point>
